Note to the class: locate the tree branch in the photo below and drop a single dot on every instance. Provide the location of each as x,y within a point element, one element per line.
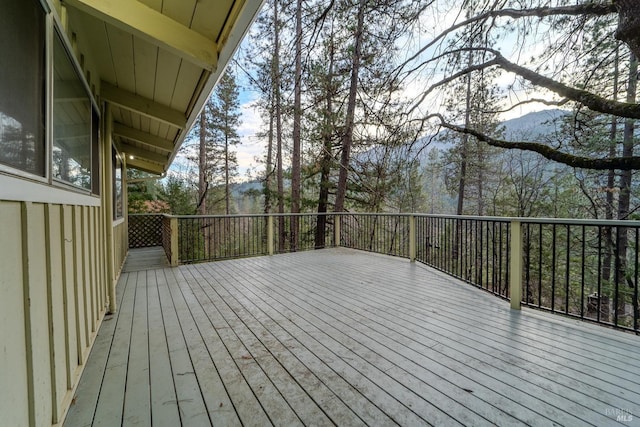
<point>594,9</point>
<point>559,103</point>
<point>620,163</point>
<point>586,98</point>
<point>628,29</point>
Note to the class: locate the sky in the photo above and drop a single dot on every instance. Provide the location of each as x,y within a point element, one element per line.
<point>248,151</point>
<point>252,148</point>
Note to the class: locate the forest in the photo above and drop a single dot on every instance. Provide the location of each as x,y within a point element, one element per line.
<point>423,106</point>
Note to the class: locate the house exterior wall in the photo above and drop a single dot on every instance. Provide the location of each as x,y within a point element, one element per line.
<point>53,296</point>
<point>60,255</point>
<point>121,246</point>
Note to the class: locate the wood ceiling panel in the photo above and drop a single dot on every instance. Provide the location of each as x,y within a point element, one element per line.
<point>163,131</point>
<point>145,64</point>
<point>117,114</point>
<point>126,118</point>
<point>167,132</point>
<point>154,127</point>
<point>145,124</point>
<point>188,78</point>
<point>166,76</point>
<point>210,16</point>
<point>179,10</point>
<point>135,120</point>
<point>93,33</point>
<point>103,59</point>
<point>121,45</point>
<point>153,4</point>
<point>172,133</point>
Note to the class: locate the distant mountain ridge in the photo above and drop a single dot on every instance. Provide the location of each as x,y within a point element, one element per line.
<point>533,125</point>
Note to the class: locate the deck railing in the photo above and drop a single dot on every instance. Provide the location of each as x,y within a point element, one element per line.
<point>475,250</point>
<point>216,237</point>
<point>373,232</point>
<point>586,269</point>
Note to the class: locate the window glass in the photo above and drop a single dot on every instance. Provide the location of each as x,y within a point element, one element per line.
<point>95,151</point>
<point>22,86</point>
<point>72,118</point>
<point>117,185</point>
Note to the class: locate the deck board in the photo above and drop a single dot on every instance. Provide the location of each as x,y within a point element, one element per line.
<point>137,397</point>
<point>162,388</point>
<point>142,259</point>
<point>528,389</point>
<point>341,337</point>
<point>189,400</point>
<point>108,408</point>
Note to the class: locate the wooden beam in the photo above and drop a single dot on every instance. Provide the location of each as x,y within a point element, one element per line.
<point>144,106</point>
<point>142,137</point>
<point>142,21</point>
<point>151,156</point>
<point>232,19</point>
<point>146,166</point>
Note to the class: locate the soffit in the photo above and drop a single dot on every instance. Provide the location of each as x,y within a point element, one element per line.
<point>157,61</point>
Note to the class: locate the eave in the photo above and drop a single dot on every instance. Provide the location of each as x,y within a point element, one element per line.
<point>156,64</point>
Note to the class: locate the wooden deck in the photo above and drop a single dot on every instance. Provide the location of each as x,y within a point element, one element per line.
<point>341,337</point>
<point>145,259</point>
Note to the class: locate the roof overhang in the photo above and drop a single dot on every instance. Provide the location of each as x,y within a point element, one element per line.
<point>158,62</point>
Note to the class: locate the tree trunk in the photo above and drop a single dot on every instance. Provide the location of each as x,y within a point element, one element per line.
<point>463,167</point>
<point>227,192</point>
<point>278,110</point>
<point>202,164</point>
<point>326,158</point>
<point>463,148</point>
<point>347,138</point>
<point>269,165</point>
<point>297,113</point>
<point>628,29</point>
<point>611,177</point>
<point>625,192</point>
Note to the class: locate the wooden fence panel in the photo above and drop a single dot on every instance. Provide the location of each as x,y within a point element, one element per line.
<point>145,230</point>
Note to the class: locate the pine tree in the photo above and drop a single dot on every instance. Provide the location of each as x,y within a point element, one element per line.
<point>225,121</point>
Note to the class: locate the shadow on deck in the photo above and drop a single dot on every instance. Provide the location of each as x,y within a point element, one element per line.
<point>341,337</point>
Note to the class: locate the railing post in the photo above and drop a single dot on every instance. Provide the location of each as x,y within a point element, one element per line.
<point>412,238</point>
<point>515,265</point>
<point>175,255</point>
<point>337,218</point>
<point>270,234</point>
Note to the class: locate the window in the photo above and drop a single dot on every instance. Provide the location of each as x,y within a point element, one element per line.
<point>22,86</point>
<point>117,185</point>
<point>49,124</point>
<point>73,122</point>
<point>95,152</point>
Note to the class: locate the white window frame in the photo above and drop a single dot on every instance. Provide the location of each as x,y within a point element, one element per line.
<point>120,156</point>
<point>19,185</point>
